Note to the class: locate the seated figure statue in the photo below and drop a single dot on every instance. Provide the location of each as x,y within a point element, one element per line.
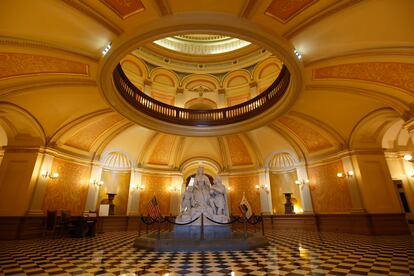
<point>187,200</point>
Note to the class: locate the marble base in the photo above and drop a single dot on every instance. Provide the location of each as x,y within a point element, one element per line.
<point>171,242</point>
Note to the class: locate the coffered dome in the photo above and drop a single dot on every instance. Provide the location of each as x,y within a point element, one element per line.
<point>117,161</point>
<point>282,162</point>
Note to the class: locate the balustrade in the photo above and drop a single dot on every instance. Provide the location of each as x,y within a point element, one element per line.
<point>194,117</point>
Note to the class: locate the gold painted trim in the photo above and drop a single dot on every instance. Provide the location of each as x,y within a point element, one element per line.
<point>23,87</point>
<point>28,43</point>
<point>83,7</point>
<point>296,13</point>
<point>119,14</point>
<point>247,8</point>
<point>383,52</point>
<point>60,132</point>
<point>163,7</point>
<point>340,5</point>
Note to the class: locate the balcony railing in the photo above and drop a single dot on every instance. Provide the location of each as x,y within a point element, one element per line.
<point>194,117</point>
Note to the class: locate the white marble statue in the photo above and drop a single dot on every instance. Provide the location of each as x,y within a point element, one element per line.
<point>187,200</point>
<point>218,198</point>
<point>204,198</point>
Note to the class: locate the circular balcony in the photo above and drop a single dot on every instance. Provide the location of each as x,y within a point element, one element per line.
<point>201,118</point>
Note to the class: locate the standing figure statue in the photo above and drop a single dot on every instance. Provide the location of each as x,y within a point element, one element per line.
<point>218,197</point>
<point>201,189</point>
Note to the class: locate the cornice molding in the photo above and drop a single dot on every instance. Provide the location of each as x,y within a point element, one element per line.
<point>385,52</point>
<point>189,67</point>
<point>23,85</point>
<point>86,9</point>
<point>336,7</point>
<point>164,7</point>
<point>28,43</point>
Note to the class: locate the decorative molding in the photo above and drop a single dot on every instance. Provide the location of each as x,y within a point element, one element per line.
<point>312,139</point>
<point>239,154</point>
<point>28,43</point>
<point>285,10</point>
<point>83,7</point>
<point>15,88</point>
<point>390,100</point>
<point>396,74</point>
<point>334,8</point>
<point>378,53</point>
<point>124,8</point>
<point>247,9</point>
<point>84,138</point>
<point>164,7</point>
<point>161,154</point>
<point>18,64</point>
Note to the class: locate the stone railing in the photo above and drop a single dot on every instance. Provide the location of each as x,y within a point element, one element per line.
<point>194,117</point>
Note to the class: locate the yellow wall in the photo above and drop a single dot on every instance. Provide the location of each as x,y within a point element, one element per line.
<point>284,182</point>
<point>69,191</point>
<point>158,186</point>
<point>244,184</point>
<point>378,192</point>
<point>16,182</point>
<point>329,193</point>
<point>118,183</point>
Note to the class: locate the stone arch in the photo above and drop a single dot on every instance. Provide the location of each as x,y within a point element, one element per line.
<point>236,79</point>
<point>164,77</point>
<point>200,103</point>
<point>20,127</point>
<point>370,130</point>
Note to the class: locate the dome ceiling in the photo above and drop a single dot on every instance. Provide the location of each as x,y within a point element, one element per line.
<point>202,44</point>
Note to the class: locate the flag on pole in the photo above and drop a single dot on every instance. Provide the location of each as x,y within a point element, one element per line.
<point>153,208</point>
<point>245,207</point>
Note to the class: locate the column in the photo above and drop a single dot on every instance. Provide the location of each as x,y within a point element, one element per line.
<point>179,97</point>
<point>265,194</point>
<point>353,187</point>
<point>305,190</point>
<point>93,189</point>
<point>175,194</point>
<point>45,162</point>
<point>253,89</point>
<point>221,98</point>
<point>147,87</point>
<point>134,193</point>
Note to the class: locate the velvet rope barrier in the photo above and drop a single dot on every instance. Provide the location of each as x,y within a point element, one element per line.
<point>176,223</point>
<point>223,223</point>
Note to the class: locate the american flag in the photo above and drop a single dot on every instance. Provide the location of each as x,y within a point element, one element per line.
<point>153,208</point>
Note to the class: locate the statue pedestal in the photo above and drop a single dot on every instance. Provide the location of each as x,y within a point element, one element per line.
<point>288,204</point>
<point>109,201</point>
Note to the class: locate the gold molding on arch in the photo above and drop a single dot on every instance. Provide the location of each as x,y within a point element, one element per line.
<point>286,10</point>
<point>86,9</point>
<point>124,8</point>
<point>14,64</point>
<point>36,44</point>
<point>340,5</point>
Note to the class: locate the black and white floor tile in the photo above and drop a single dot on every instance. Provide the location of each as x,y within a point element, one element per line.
<point>290,253</point>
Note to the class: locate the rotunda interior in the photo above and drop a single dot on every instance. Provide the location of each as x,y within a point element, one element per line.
<point>336,139</point>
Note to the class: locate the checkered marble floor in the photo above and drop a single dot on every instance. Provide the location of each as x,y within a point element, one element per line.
<point>289,253</point>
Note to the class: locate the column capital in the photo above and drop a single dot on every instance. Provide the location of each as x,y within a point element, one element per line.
<point>147,82</point>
